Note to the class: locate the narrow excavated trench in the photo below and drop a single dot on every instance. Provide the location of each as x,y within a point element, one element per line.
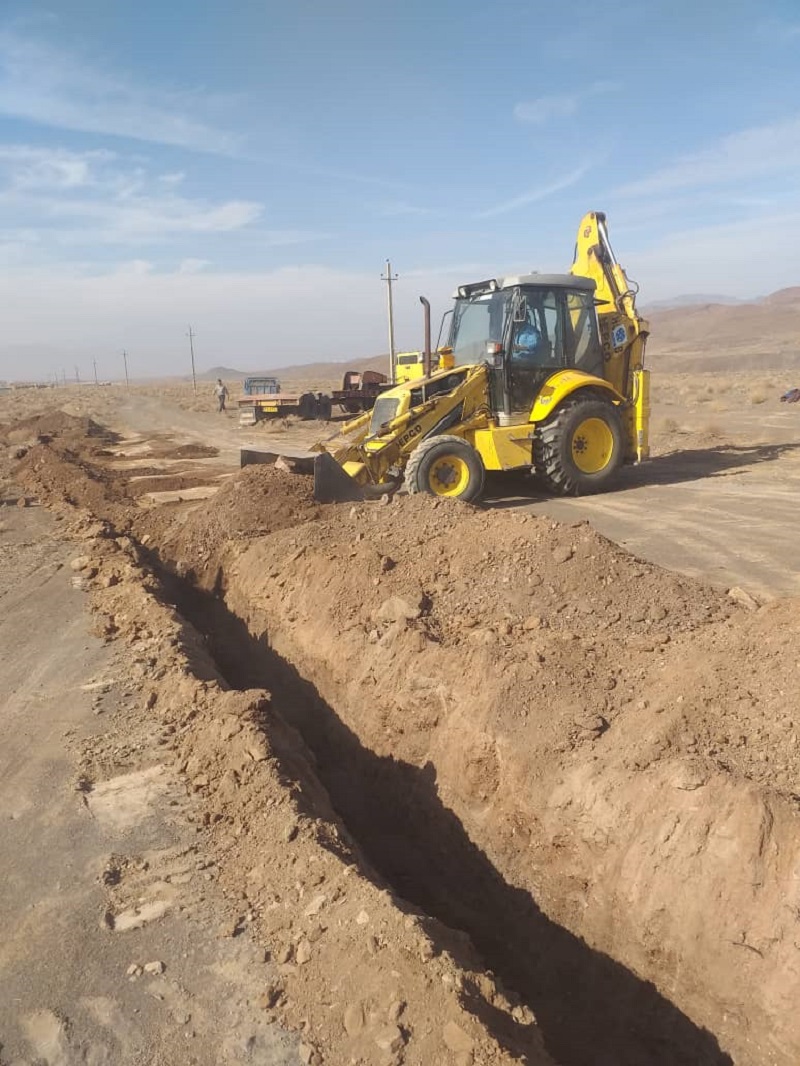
<point>592,1010</point>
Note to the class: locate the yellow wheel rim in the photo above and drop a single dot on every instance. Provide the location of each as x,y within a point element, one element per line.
<point>448,476</point>
<point>592,445</point>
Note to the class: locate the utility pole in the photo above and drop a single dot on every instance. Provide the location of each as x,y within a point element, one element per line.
<point>94,364</point>
<point>125,364</point>
<point>190,335</point>
<point>77,377</point>
<point>388,277</point>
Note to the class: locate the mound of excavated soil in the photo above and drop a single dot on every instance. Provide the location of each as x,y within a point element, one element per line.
<point>258,501</point>
<point>53,423</point>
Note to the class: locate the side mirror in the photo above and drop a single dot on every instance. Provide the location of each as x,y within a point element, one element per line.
<point>521,310</point>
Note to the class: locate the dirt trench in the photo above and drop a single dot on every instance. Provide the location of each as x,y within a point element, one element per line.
<point>591,1010</point>
<point>580,782</point>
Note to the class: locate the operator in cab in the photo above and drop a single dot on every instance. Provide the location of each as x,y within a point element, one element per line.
<point>526,340</point>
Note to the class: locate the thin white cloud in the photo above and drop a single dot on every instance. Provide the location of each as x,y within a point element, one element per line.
<point>47,85</point>
<point>152,217</point>
<point>49,168</point>
<point>719,258</point>
<point>534,195</point>
<point>176,178</point>
<point>757,152</point>
<point>545,109</point>
<point>193,266</point>
<point>97,197</point>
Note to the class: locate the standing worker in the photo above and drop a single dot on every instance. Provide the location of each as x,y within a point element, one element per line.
<point>221,392</point>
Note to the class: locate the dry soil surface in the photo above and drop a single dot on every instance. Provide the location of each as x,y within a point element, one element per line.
<point>458,766</point>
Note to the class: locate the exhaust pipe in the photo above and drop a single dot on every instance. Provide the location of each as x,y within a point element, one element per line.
<point>427,353</point>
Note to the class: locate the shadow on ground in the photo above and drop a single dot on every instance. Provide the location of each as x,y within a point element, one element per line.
<point>725,460</point>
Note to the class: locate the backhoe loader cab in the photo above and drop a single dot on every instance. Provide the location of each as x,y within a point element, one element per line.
<point>541,372</point>
<point>526,328</point>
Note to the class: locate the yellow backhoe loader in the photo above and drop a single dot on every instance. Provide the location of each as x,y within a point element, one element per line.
<point>541,372</point>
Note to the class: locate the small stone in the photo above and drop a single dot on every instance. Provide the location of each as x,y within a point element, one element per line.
<point>387,564</point>
<point>426,951</point>
<point>291,831</point>
<point>285,955</point>
<point>396,1009</point>
<point>134,970</point>
<point>744,599</point>
<point>315,906</point>
<point>390,1039</point>
<point>150,702</point>
<point>563,554</point>
<point>302,952</point>
<point>80,562</point>
<point>270,996</point>
<point>362,918</point>
<point>456,1039</point>
<point>353,1019</point>
<point>23,501</point>
<point>154,967</point>
<point>396,609</point>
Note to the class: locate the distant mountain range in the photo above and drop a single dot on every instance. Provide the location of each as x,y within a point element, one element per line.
<point>690,300</point>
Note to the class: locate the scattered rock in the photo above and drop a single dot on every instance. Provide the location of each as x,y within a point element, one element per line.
<point>154,968</point>
<point>396,609</point>
<point>563,554</point>
<point>456,1039</point>
<point>353,1019</point>
<point>744,599</point>
<point>390,1039</point>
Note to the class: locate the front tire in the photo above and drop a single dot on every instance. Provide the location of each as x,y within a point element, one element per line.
<point>581,448</point>
<point>445,466</point>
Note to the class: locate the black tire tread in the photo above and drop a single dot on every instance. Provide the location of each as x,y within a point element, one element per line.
<point>424,448</point>
<point>547,451</point>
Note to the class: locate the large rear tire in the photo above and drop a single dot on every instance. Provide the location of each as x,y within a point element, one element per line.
<point>581,448</point>
<point>445,466</point>
<point>307,407</point>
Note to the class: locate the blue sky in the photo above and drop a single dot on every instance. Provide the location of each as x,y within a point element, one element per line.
<point>249,166</point>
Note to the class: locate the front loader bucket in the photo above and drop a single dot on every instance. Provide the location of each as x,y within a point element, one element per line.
<point>332,484</point>
<point>249,457</point>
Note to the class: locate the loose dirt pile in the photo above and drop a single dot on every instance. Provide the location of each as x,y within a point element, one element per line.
<point>258,501</point>
<point>531,735</point>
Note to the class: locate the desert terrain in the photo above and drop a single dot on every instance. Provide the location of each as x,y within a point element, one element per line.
<point>403,781</point>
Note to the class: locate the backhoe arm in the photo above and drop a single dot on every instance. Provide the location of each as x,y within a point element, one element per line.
<point>623,331</point>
